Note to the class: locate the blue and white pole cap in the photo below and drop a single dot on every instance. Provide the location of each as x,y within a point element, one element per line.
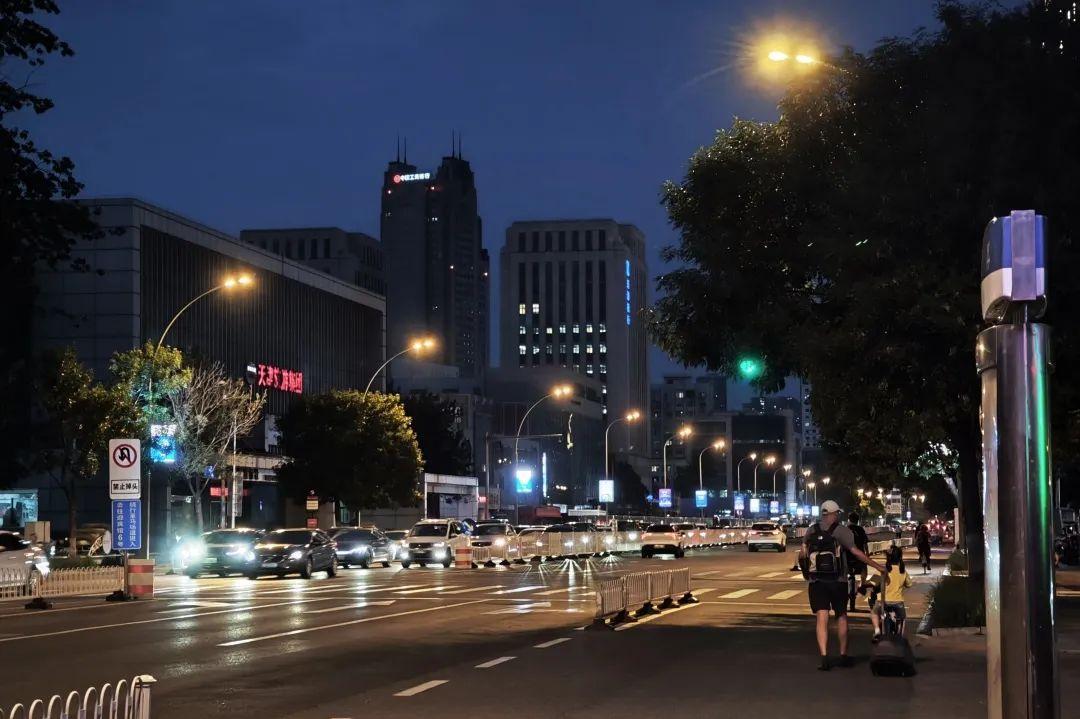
<point>1013,264</point>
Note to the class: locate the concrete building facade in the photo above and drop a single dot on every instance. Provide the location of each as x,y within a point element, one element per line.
<point>349,256</point>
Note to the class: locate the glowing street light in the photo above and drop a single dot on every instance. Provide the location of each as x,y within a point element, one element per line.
<point>241,281</point>
<point>631,416</point>
<point>778,56</point>
<point>557,392</point>
<point>682,433</point>
<point>767,461</point>
<point>420,345</point>
<point>786,468</point>
<point>738,470</point>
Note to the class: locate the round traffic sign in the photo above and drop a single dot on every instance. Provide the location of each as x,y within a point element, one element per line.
<point>125,455</point>
<point>106,542</point>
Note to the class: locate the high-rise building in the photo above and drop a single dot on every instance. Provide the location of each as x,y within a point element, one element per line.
<point>349,256</point>
<point>571,296</point>
<point>436,267</point>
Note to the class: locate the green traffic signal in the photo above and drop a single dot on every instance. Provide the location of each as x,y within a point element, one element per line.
<point>751,368</point>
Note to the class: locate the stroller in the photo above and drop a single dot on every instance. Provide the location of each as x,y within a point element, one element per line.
<point>892,655</point>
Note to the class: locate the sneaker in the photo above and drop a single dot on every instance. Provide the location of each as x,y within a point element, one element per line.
<point>876,638</point>
<point>824,666</point>
<point>846,661</point>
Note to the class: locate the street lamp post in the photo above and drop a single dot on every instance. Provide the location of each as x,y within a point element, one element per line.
<point>786,468</point>
<point>824,483</point>
<point>807,471</point>
<point>682,433</point>
<point>718,445</point>
<point>239,281</point>
<point>768,461</point>
<point>631,416</point>
<point>558,392</point>
<point>813,486</point>
<point>418,346</point>
<point>738,470</point>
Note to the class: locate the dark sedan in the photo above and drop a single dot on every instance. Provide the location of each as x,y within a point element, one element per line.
<point>362,546</point>
<point>294,551</point>
<point>221,552</point>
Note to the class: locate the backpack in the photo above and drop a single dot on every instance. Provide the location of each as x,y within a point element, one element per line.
<point>825,557</point>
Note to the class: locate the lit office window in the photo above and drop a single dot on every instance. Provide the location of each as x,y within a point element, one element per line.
<point>549,331</point>
<point>521,329</point>
<point>603,369</point>
<point>536,349</point>
<point>521,349</point>
<point>588,349</point>
<point>588,369</point>
<point>536,308</point>
<point>588,328</point>
<point>521,309</point>
<point>562,349</point>
<point>562,329</point>
<point>576,328</point>
<point>602,328</point>
<point>603,349</point>
<point>577,349</point>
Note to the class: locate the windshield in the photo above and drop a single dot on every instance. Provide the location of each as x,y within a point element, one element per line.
<point>488,530</point>
<point>429,530</point>
<point>397,534</point>
<point>660,528</point>
<point>287,536</point>
<point>684,526</point>
<point>353,535</point>
<point>229,536</point>
<point>764,527</point>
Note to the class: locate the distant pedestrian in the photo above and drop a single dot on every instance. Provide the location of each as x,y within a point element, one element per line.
<point>823,558</point>
<point>922,544</point>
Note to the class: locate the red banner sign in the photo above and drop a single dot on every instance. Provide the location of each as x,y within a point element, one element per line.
<point>287,380</point>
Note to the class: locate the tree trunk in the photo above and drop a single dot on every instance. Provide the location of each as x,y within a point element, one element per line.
<point>73,547</point>
<point>196,505</point>
<point>969,450</point>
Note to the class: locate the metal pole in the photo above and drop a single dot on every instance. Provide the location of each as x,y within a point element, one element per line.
<point>233,500</point>
<point>487,475</point>
<point>1022,677</point>
<point>665,462</point>
<point>756,465</point>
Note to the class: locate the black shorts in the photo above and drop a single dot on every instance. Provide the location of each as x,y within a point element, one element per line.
<point>829,595</point>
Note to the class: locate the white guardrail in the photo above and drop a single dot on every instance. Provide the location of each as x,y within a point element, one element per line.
<point>637,594</point>
<point>30,584</point>
<point>125,700</point>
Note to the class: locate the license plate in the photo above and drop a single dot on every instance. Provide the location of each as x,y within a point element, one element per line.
<point>269,565</point>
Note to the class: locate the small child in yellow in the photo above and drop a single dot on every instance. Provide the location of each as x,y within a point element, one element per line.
<point>899,580</point>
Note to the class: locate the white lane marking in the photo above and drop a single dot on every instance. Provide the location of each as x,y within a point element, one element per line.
<point>186,605</point>
<point>358,605</point>
<point>422,687</point>
<point>650,617</point>
<point>521,589</point>
<point>703,590</point>
<point>308,630</point>
<point>521,608</point>
<point>797,578</point>
<point>788,594</point>
<point>474,589</point>
<point>494,662</point>
<point>583,591</point>
<point>173,618</point>
<point>770,575</point>
<point>710,573</point>
<point>433,588</point>
<point>738,593</point>
<point>372,590</point>
<point>553,642</point>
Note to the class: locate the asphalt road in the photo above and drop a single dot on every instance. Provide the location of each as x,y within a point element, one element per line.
<point>492,642</point>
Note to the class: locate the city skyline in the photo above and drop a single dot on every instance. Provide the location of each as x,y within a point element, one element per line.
<point>323,70</point>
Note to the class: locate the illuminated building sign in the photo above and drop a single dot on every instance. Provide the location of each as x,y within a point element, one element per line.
<point>398,179</point>
<point>628,293</point>
<point>265,375</point>
<point>163,443</point>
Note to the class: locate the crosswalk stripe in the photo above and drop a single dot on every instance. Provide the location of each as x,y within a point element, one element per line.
<point>434,588</point>
<point>703,590</point>
<point>358,605</point>
<point>421,687</point>
<point>797,578</point>
<point>788,594</point>
<point>560,591</point>
<point>474,589</point>
<point>494,662</point>
<point>521,589</point>
<point>372,590</point>
<point>770,575</point>
<point>739,593</point>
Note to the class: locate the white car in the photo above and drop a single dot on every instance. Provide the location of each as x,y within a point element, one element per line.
<point>662,539</point>
<point>22,563</point>
<point>433,541</point>
<point>766,534</point>
<point>500,540</point>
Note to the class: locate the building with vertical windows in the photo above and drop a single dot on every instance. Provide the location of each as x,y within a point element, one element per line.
<point>571,296</point>
<point>352,257</point>
<point>437,271</point>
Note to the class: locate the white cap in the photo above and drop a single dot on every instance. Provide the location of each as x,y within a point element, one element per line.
<point>829,506</point>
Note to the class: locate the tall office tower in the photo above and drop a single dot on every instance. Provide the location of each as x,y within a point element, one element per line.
<point>571,295</point>
<point>436,267</point>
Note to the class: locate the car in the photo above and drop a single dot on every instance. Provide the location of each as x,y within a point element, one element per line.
<point>531,544</point>
<point>221,552</point>
<point>662,539</point>
<point>500,539</point>
<point>689,533</point>
<point>362,546</point>
<point>398,541</point>
<point>434,541</point>
<point>766,534</point>
<point>22,563</point>
<point>294,551</point>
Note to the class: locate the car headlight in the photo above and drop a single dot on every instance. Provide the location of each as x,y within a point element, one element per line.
<point>539,544</point>
<point>249,556</point>
<point>584,540</point>
<point>609,540</point>
<point>438,552</point>
<point>238,551</point>
<point>439,544</point>
<point>193,549</point>
<point>632,536</point>
<point>569,544</point>
<point>296,554</point>
<point>500,542</point>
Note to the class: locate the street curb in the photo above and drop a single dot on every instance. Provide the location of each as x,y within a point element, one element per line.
<point>959,631</point>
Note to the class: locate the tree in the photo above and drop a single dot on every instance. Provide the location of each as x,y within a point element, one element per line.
<point>37,228</point>
<point>210,411</point>
<point>73,421</point>
<point>438,432</point>
<point>841,242</point>
<point>149,376</point>
<point>347,447</point>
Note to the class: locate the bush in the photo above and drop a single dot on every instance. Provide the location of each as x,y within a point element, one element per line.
<point>957,602</point>
<point>958,561</point>
<point>59,562</point>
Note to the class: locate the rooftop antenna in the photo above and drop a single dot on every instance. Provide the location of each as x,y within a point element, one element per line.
<point>405,146</point>
<point>397,156</point>
<point>459,146</point>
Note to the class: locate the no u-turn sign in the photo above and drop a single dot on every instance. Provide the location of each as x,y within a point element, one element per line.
<point>124,471</point>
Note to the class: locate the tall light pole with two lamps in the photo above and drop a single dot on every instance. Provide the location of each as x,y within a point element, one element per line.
<point>719,446</point>
<point>767,461</point>
<point>786,468</point>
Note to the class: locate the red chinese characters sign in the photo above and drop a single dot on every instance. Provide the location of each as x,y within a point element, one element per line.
<point>287,380</point>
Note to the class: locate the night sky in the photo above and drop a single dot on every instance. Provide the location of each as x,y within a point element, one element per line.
<point>278,114</point>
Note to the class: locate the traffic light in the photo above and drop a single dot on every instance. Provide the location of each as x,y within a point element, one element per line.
<point>750,368</point>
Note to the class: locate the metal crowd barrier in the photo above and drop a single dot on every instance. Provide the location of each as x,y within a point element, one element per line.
<point>23,584</point>
<point>883,545</point>
<point>650,592</point>
<point>126,700</point>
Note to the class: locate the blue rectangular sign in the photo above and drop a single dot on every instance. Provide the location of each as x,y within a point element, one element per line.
<point>126,524</point>
<point>665,498</point>
<point>701,498</point>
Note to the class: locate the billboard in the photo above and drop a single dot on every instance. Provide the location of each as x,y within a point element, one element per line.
<point>607,490</point>
<point>665,498</point>
<point>701,498</point>
<point>523,480</point>
<point>755,505</point>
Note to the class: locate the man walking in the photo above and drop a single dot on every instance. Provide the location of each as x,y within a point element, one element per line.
<point>824,560</point>
<point>856,569</point>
